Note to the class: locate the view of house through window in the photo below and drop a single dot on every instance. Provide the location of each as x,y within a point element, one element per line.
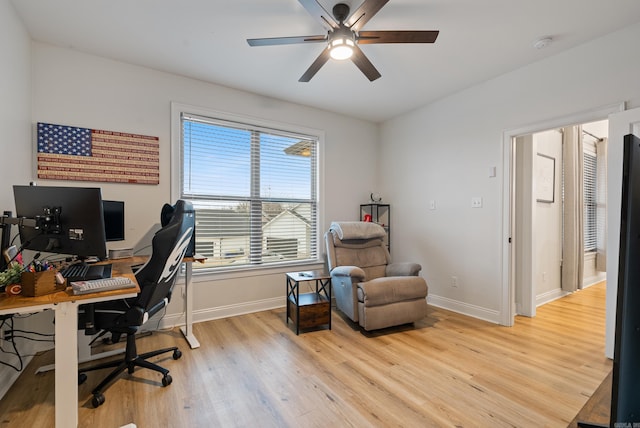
<point>254,190</point>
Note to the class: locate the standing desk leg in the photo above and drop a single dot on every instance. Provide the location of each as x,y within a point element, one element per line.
<point>188,313</point>
<point>66,360</point>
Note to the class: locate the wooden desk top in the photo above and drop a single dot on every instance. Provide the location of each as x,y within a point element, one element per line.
<point>120,267</point>
<point>7,303</point>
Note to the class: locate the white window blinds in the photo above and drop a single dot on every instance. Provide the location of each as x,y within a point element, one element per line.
<point>590,175</point>
<point>254,190</point>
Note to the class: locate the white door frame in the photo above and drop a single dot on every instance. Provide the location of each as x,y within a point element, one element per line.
<point>507,304</point>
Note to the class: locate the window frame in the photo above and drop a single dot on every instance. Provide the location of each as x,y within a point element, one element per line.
<point>177,162</point>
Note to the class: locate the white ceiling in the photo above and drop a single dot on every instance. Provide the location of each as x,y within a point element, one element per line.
<point>206,40</point>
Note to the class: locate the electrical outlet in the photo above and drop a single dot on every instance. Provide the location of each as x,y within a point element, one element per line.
<point>432,204</point>
<point>454,281</point>
<point>476,202</point>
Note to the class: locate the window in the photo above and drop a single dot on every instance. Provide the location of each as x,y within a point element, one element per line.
<point>590,175</point>
<point>254,189</point>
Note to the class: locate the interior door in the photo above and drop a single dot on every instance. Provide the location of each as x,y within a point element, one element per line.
<point>620,124</point>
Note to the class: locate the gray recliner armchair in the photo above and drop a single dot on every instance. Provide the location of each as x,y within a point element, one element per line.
<point>368,288</point>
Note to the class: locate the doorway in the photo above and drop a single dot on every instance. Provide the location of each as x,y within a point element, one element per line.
<point>511,274</point>
<point>560,213</point>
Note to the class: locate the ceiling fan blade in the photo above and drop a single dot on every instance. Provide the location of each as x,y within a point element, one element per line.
<point>363,63</point>
<point>364,13</point>
<point>317,11</point>
<point>271,41</point>
<point>317,64</point>
<point>372,37</point>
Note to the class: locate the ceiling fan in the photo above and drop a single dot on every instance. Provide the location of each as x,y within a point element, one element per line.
<point>344,35</point>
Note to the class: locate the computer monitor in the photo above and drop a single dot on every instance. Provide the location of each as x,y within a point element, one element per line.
<point>113,220</point>
<point>69,220</point>
<point>625,401</point>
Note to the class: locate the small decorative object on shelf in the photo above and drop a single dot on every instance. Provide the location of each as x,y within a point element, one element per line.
<point>375,197</point>
<point>378,213</point>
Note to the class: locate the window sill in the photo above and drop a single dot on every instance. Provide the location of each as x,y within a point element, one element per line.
<point>205,275</point>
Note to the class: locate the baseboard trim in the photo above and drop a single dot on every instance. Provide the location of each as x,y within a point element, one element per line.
<point>174,320</point>
<point>465,308</point>
<point>550,296</point>
<point>177,320</point>
<point>593,280</point>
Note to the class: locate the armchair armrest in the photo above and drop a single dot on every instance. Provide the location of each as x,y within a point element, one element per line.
<point>344,285</point>
<point>353,272</point>
<point>403,269</point>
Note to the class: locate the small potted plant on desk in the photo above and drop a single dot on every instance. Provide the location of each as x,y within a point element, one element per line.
<point>10,277</point>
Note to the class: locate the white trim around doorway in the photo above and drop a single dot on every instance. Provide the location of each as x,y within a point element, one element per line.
<point>507,304</point>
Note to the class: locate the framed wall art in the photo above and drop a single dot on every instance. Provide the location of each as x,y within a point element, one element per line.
<point>545,178</point>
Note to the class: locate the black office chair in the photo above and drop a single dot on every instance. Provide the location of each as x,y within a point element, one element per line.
<point>156,279</point>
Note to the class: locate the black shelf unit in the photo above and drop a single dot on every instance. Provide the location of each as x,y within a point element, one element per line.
<point>381,214</point>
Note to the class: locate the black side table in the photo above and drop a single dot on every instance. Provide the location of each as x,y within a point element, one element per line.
<point>312,309</point>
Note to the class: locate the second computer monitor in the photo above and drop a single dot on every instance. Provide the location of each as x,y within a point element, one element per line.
<point>113,220</point>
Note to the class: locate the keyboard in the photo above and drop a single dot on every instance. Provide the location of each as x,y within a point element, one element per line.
<point>104,284</point>
<point>85,272</point>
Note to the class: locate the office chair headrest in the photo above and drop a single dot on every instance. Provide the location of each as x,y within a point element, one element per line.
<point>169,211</point>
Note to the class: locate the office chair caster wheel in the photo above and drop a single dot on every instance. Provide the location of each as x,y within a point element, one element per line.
<point>177,354</point>
<point>97,400</point>
<point>166,380</point>
<point>82,378</point>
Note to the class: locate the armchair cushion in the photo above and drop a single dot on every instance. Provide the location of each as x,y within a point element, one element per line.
<point>347,230</point>
<point>403,269</point>
<point>383,291</point>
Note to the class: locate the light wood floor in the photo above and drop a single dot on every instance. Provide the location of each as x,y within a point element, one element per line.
<point>446,371</point>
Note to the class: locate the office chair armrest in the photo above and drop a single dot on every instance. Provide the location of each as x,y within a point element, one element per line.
<point>134,317</point>
<point>354,272</point>
<point>403,269</point>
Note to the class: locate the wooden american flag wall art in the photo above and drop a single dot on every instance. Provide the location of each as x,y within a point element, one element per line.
<point>82,154</point>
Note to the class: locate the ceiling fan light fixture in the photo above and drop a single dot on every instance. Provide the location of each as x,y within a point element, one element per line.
<point>341,48</point>
<point>343,35</point>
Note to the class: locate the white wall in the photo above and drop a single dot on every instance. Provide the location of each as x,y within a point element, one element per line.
<point>15,103</point>
<point>443,152</point>
<point>548,224</point>
<point>15,120</point>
